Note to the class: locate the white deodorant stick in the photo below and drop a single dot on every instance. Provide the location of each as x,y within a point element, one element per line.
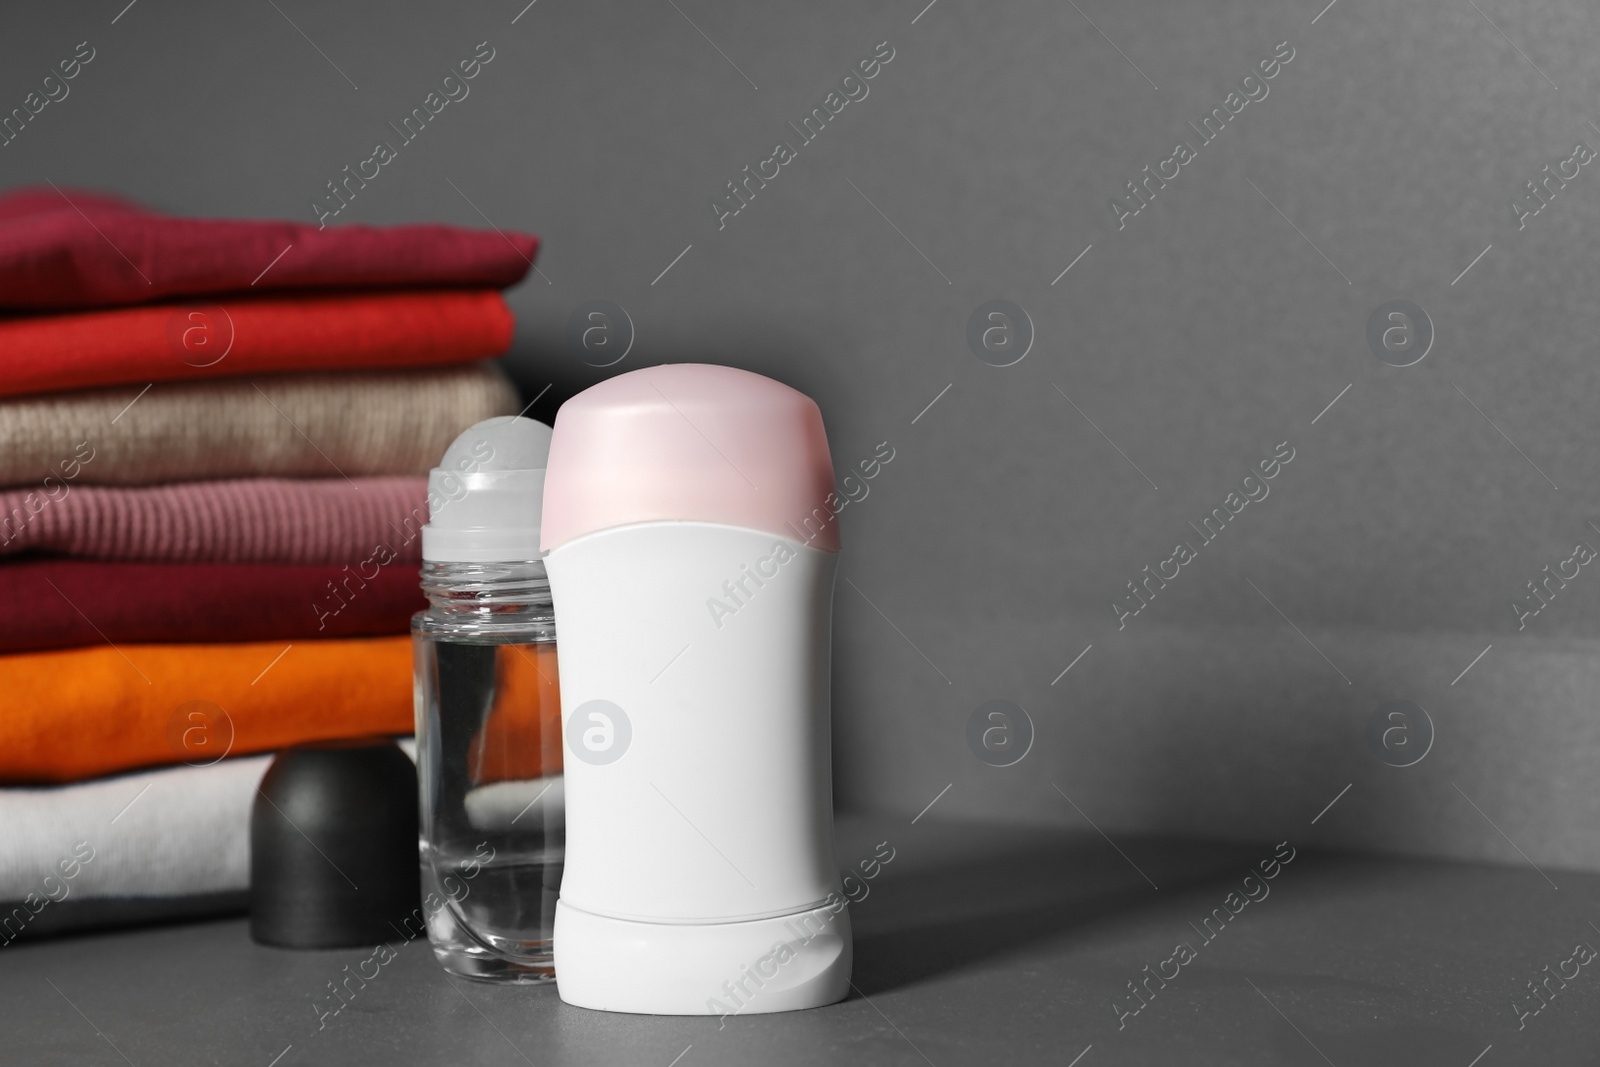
<point>691,551</point>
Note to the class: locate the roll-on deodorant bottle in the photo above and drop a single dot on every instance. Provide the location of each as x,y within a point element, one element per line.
<point>488,714</point>
<point>691,553</point>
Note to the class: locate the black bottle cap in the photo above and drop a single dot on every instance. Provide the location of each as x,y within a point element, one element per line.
<point>333,845</point>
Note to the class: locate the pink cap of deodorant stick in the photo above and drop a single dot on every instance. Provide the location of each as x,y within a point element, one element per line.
<point>690,442</point>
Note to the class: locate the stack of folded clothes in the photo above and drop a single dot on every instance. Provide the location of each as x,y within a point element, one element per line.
<point>214,437</point>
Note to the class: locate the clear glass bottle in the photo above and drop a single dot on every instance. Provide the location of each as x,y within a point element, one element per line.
<point>492,834</point>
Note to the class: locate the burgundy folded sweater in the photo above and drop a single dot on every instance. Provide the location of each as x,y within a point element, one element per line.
<point>67,603</point>
<point>245,520</point>
<point>75,248</point>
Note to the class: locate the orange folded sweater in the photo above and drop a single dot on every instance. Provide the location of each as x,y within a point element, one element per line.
<point>87,712</point>
<point>274,334</point>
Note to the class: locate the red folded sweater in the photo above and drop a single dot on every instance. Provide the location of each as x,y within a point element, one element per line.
<point>79,249</point>
<point>67,603</point>
<point>133,346</point>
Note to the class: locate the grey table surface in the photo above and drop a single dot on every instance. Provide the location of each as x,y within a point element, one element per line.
<point>975,944</point>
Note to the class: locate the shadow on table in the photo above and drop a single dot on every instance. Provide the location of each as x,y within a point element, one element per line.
<point>990,891</point>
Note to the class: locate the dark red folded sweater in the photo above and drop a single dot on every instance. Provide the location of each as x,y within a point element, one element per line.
<point>66,603</point>
<point>75,248</point>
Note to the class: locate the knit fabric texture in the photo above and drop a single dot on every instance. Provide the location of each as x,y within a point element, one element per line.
<point>247,520</point>
<point>312,425</point>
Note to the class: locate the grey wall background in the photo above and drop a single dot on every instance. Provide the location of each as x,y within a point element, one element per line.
<point>1218,323</point>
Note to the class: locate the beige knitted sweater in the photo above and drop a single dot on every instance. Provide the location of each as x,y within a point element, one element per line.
<point>301,425</point>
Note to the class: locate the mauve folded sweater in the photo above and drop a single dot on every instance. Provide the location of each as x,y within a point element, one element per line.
<point>247,520</point>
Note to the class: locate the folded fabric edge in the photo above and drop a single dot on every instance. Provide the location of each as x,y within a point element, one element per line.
<point>228,520</point>
<point>492,268</point>
<point>88,872</point>
<point>199,431</point>
<point>283,332</point>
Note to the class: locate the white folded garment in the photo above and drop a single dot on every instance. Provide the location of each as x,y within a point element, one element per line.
<point>167,832</point>
<point>154,844</point>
